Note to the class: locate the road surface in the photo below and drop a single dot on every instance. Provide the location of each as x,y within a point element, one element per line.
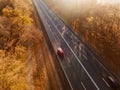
<point>80,65</point>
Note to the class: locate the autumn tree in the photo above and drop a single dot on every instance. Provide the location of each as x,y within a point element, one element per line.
<point>19,19</point>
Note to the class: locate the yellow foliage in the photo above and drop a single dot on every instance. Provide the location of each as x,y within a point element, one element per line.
<point>25,20</point>
<point>13,70</point>
<point>17,12</point>
<point>7,12</point>
<point>19,17</point>
<point>90,19</point>
<point>19,52</point>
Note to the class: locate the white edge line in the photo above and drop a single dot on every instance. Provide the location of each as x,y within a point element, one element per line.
<point>75,55</point>
<point>65,73</point>
<point>78,60</point>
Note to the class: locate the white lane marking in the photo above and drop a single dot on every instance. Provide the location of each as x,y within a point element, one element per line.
<point>80,47</point>
<point>77,58</point>
<point>85,57</point>
<point>106,82</point>
<point>63,68</point>
<point>65,73</point>
<point>83,86</point>
<point>74,54</point>
<point>62,65</point>
<point>92,54</point>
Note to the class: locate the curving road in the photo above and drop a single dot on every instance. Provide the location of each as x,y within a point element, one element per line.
<point>80,65</point>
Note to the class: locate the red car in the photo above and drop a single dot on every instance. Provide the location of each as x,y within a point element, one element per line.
<point>60,52</point>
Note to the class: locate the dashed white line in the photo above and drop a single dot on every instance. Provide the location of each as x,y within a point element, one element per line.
<point>65,74</point>
<point>106,82</point>
<point>83,86</point>
<point>77,58</point>
<point>74,54</point>
<point>85,57</point>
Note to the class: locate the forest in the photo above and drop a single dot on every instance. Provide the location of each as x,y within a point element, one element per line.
<point>15,19</point>
<point>97,24</point>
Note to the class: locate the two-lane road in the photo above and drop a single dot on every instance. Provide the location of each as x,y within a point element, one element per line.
<point>80,65</point>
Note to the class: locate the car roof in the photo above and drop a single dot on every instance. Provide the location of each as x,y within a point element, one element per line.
<point>60,49</point>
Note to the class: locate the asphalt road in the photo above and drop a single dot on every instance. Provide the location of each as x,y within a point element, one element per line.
<point>81,66</point>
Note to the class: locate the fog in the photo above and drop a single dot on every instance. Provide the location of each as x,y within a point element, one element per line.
<point>108,1</point>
